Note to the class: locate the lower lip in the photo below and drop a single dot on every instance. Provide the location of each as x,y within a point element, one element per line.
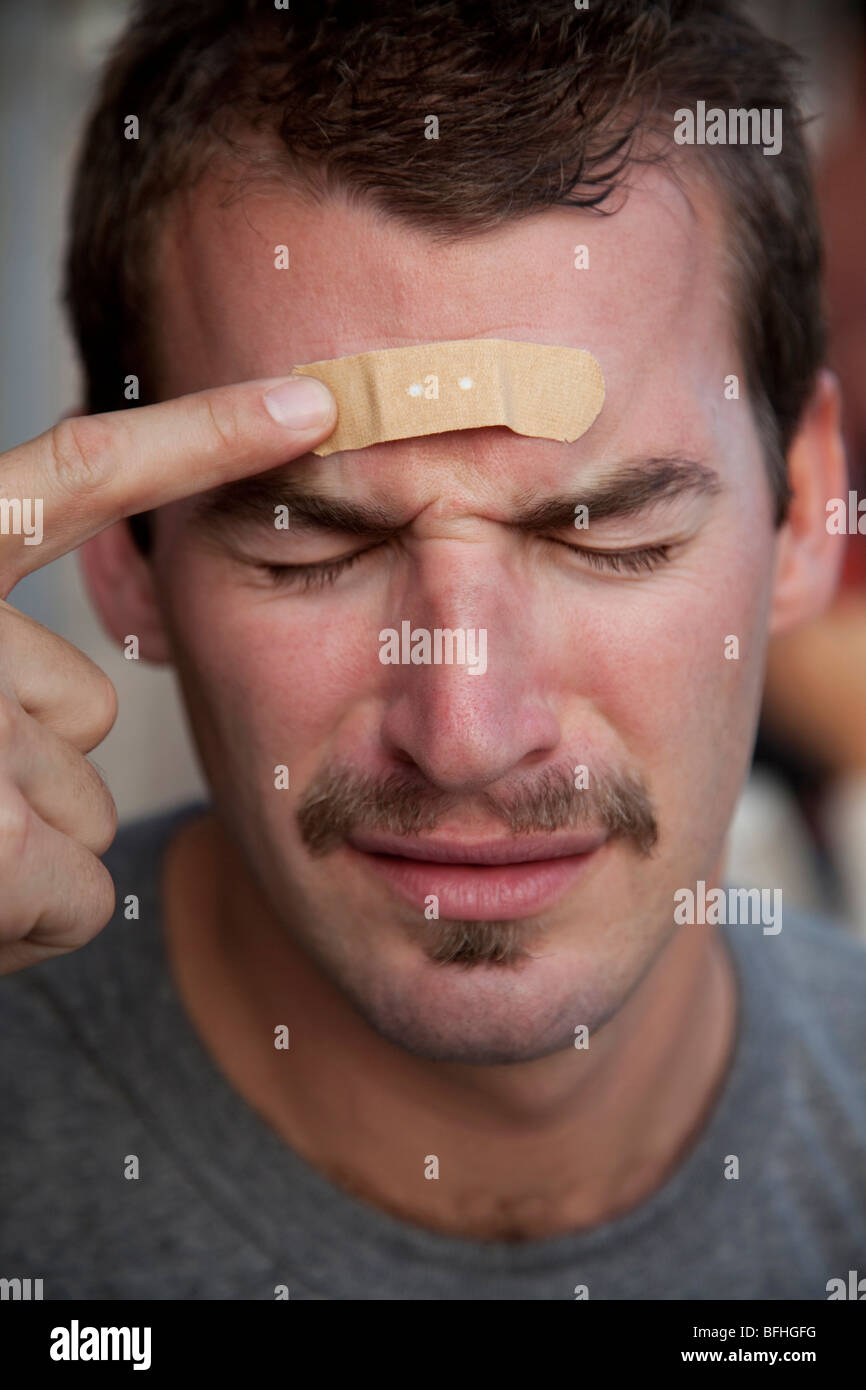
<point>479,893</point>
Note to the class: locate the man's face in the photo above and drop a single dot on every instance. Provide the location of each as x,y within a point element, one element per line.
<point>618,666</point>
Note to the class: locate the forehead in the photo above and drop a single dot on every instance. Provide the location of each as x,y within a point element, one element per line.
<point>648,296</point>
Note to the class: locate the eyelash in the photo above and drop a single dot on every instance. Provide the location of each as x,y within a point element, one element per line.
<point>321,575</point>
<point>634,561</point>
<point>313,576</point>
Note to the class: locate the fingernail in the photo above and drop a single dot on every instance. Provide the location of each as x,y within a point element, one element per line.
<point>302,403</point>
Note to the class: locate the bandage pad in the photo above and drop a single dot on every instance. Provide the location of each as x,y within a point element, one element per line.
<point>399,393</point>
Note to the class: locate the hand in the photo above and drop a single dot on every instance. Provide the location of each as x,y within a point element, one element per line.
<point>57,816</point>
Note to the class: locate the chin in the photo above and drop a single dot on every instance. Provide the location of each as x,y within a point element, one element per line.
<point>480,1014</point>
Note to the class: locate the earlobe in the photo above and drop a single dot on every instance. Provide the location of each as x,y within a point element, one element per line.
<point>809,557</point>
<point>120,582</point>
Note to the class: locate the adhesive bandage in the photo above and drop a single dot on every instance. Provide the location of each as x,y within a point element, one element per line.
<point>399,393</point>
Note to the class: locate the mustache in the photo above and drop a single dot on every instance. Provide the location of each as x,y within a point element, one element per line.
<point>340,800</point>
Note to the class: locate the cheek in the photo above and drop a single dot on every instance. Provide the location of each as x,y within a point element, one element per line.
<point>675,669</point>
<point>272,675</point>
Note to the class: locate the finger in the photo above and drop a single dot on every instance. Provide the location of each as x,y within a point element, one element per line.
<point>85,473</point>
<point>57,781</point>
<point>54,682</point>
<point>56,894</point>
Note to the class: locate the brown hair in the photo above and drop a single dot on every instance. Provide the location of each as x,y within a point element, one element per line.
<point>540,105</point>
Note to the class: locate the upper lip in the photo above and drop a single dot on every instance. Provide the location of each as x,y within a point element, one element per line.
<point>513,850</point>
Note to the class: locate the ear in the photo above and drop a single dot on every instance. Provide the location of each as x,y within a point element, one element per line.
<point>808,557</point>
<point>119,580</point>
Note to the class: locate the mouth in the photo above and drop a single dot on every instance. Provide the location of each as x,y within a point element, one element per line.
<point>479,880</point>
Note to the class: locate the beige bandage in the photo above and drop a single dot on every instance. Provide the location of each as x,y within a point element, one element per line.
<point>398,393</point>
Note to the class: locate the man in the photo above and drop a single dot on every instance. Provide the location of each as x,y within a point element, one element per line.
<point>413,1008</point>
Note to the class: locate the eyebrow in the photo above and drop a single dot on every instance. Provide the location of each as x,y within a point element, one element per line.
<point>626,491</point>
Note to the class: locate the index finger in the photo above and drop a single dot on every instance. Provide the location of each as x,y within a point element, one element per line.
<point>83,474</point>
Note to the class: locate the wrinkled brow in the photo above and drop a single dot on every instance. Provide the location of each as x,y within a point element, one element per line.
<point>623,491</point>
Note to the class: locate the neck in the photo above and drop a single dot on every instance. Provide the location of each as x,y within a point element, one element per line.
<point>524,1151</point>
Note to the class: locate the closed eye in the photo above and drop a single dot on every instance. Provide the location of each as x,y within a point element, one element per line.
<point>325,572</point>
<point>636,561</point>
<point>316,576</point>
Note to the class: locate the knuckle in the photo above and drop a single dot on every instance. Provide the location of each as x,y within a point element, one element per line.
<point>95,814</point>
<point>224,422</point>
<point>82,452</point>
<point>98,706</point>
<point>15,820</point>
<point>7,722</point>
<point>107,821</point>
<point>103,900</point>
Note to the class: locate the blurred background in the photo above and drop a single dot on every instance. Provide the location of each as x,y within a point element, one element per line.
<point>801,823</point>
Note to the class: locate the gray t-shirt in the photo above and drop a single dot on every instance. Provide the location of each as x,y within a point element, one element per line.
<point>99,1062</point>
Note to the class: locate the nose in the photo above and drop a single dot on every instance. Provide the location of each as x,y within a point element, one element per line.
<point>466,731</point>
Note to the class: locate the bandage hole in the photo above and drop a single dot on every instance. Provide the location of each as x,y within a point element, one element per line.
<point>465,383</point>
<point>416,389</point>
